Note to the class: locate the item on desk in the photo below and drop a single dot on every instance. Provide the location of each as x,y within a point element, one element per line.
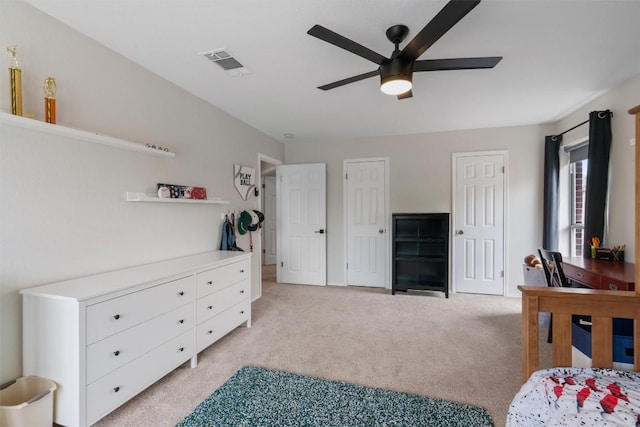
<point>595,244</point>
<point>610,254</point>
<point>533,261</point>
<point>618,253</point>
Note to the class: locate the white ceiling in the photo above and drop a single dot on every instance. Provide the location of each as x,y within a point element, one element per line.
<point>558,55</point>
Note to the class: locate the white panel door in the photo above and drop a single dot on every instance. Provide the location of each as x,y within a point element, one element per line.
<point>479,224</point>
<point>269,228</point>
<point>366,223</point>
<point>301,224</point>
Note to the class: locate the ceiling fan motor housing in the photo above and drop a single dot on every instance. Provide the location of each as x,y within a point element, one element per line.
<point>395,69</point>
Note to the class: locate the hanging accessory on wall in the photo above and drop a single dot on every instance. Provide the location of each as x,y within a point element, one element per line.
<point>244,222</point>
<point>228,239</point>
<point>15,77</point>
<point>49,100</point>
<point>244,179</point>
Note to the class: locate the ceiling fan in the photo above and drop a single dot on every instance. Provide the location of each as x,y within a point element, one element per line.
<point>396,72</point>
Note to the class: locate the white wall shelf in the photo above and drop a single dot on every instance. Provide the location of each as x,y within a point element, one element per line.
<point>82,135</point>
<point>150,198</point>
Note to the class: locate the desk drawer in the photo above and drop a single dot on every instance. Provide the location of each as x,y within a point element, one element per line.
<point>588,278</point>
<point>615,285</point>
<point>110,317</point>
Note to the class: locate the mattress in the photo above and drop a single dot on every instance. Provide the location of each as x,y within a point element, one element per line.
<point>577,396</point>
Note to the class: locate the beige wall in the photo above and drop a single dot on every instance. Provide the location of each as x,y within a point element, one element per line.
<point>620,222</point>
<point>420,176</point>
<point>420,181</point>
<point>62,208</point>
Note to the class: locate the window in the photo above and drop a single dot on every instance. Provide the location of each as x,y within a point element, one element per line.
<point>578,165</point>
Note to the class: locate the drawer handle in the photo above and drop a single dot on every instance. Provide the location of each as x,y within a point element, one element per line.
<point>181,349</point>
<point>117,316</point>
<point>210,282</point>
<point>242,291</point>
<point>613,287</point>
<point>209,332</point>
<point>210,307</point>
<point>579,275</point>
<point>180,322</point>
<point>181,293</point>
<point>116,353</point>
<point>242,271</point>
<point>116,389</point>
<point>242,312</point>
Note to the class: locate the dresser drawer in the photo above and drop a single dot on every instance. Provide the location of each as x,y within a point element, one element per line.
<point>217,278</point>
<point>586,277</point>
<point>112,390</point>
<point>117,350</point>
<point>218,302</point>
<point>110,317</point>
<point>218,326</point>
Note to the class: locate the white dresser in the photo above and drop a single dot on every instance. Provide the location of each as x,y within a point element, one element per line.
<point>104,338</point>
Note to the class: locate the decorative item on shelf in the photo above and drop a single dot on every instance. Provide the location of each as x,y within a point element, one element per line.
<point>50,100</point>
<point>182,191</point>
<point>163,192</point>
<point>157,148</point>
<point>244,179</point>
<point>15,77</point>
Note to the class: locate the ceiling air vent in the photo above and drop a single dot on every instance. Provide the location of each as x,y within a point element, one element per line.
<point>226,61</point>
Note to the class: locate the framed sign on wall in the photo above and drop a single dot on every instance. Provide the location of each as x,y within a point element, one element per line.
<point>244,179</point>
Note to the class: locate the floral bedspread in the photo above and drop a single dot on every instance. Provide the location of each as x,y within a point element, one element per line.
<point>577,397</point>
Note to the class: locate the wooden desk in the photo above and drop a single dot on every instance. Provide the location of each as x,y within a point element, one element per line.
<point>598,274</point>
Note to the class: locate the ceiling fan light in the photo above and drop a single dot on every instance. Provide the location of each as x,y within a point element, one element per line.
<point>396,85</point>
<point>396,77</point>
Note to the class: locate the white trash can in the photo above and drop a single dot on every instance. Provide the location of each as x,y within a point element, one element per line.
<point>27,402</point>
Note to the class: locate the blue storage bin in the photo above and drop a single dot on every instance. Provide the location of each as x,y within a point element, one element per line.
<point>622,338</point>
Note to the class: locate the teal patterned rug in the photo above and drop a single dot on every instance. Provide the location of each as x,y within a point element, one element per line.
<point>260,397</point>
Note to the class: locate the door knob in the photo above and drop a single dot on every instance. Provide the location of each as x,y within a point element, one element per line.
<point>381,231</point>
<point>460,232</point>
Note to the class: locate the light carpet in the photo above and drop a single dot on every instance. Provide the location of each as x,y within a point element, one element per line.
<point>465,348</point>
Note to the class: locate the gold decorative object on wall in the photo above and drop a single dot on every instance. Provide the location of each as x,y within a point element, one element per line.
<point>49,100</point>
<point>15,76</point>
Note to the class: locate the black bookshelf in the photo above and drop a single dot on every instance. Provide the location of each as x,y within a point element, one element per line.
<point>420,252</point>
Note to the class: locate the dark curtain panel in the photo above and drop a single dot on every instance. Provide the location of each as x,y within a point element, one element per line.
<point>597,176</point>
<point>551,177</point>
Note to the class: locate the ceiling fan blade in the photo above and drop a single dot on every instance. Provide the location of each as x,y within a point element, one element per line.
<point>342,42</point>
<point>453,12</point>
<point>407,94</point>
<point>349,80</point>
<point>456,63</point>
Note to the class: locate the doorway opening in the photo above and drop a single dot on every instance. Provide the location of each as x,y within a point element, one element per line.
<point>266,242</point>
